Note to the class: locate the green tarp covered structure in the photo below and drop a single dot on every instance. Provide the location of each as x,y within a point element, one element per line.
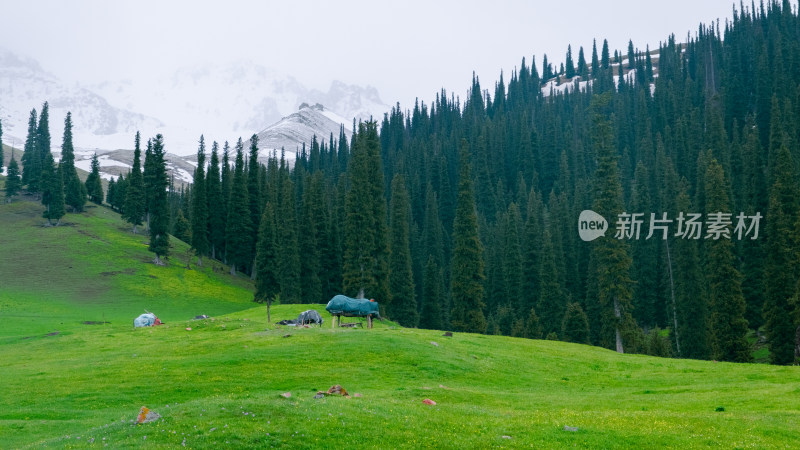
<point>352,307</point>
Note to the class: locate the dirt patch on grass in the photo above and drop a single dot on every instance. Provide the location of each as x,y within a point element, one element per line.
<point>128,271</point>
<point>94,322</point>
<point>54,333</point>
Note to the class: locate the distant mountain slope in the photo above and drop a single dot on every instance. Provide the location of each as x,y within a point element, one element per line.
<point>222,102</point>
<point>300,127</point>
<point>24,85</point>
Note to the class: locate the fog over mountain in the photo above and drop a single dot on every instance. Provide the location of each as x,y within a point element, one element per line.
<point>222,102</point>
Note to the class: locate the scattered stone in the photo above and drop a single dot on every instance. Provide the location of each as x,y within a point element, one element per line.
<point>356,395</point>
<point>146,415</point>
<point>569,428</point>
<point>286,394</point>
<point>285,335</point>
<point>506,437</point>
<point>202,316</point>
<point>428,401</point>
<point>448,334</point>
<point>188,328</point>
<point>434,343</point>
<point>319,395</point>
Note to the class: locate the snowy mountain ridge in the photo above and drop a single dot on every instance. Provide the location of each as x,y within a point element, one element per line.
<point>221,102</point>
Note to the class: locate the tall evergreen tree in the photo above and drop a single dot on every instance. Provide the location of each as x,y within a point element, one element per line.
<point>728,325</point>
<point>13,179</point>
<point>74,191</point>
<point>403,307</point>
<point>692,332</point>
<point>431,312</point>
<point>781,260</point>
<point>570,64</point>
<point>575,326</point>
<point>199,215</point>
<point>288,252</point>
<point>254,189</point>
<point>31,163</point>
<point>366,250</point>
<point>43,135</point>
<point>240,227</point>
<point>2,161</point>
<point>267,284</point>
<point>159,209</point>
<point>52,190</point>
<point>216,210</point>
<point>94,186</point>
<point>312,238</point>
<point>467,273</point>
<point>135,194</point>
<point>612,260</point>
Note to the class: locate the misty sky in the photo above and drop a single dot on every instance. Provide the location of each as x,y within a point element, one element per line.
<point>405,49</point>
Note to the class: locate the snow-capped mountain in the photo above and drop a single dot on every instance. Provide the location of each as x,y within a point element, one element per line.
<point>300,127</point>
<point>289,134</point>
<point>24,85</point>
<point>228,101</point>
<point>221,101</point>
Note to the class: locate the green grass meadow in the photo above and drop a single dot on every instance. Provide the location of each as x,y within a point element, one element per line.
<point>68,384</point>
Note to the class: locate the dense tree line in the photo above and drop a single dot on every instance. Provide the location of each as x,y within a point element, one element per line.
<point>462,214</point>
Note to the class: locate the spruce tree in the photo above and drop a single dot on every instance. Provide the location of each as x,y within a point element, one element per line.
<point>781,259</point>
<point>403,307</point>
<point>612,260</point>
<point>312,238</point>
<point>199,214</point>
<point>267,284</point>
<point>31,163</point>
<point>147,179</point>
<point>135,194</point>
<point>512,267</point>
<point>239,228</point>
<point>582,69</point>
<point>254,190</point>
<point>467,275</point>
<point>431,312</point>
<point>692,333</point>
<point>52,190</point>
<point>42,148</point>
<point>94,186</point>
<point>13,180</point>
<point>74,190</point>
<point>288,250</point>
<point>2,161</point>
<point>570,65</point>
<point>728,325</point>
<point>575,326</point>
<point>552,300</point>
<point>216,210</point>
<point>182,229</point>
<point>159,209</point>
<point>365,270</point>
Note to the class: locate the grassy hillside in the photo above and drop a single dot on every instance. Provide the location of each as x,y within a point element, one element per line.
<point>219,384</point>
<point>92,268</point>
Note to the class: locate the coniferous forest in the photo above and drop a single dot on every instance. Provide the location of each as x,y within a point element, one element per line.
<point>462,213</point>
